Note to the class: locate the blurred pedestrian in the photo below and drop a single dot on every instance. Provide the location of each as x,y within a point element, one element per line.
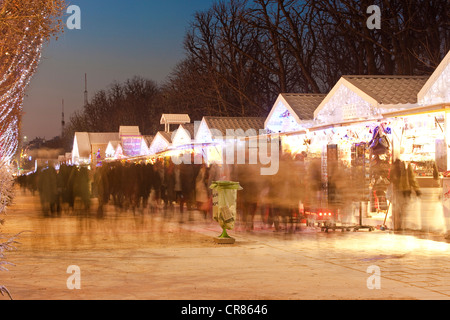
<point>187,186</point>
<point>177,184</point>
<point>404,184</point>
<point>81,188</point>
<point>169,182</point>
<point>283,194</point>
<point>48,192</point>
<point>201,192</point>
<point>249,179</point>
<point>102,185</point>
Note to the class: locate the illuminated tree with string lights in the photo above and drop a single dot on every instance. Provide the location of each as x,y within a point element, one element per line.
<point>25,26</point>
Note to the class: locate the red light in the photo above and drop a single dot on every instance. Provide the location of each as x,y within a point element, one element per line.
<point>320,213</point>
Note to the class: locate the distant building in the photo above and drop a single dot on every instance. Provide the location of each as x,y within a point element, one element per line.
<point>90,147</point>
<point>177,119</point>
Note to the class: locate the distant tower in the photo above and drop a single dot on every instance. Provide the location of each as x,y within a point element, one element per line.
<point>85,90</point>
<point>63,123</point>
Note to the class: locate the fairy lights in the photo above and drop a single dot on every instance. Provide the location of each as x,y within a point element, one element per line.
<point>25,25</point>
<point>13,85</point>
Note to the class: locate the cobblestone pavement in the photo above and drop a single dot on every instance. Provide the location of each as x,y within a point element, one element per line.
<point>155,257</point>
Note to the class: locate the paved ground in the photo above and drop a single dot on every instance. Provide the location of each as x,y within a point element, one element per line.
<point>154,257</point>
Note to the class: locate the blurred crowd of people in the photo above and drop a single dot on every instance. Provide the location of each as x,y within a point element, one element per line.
<point>282,198</point>
<point>127,186</point>
<point>59,190</point>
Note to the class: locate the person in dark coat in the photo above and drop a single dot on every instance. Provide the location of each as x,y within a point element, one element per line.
<point>169,182</point>
<point>102,185</point>
<point>187,178</point>
<point>81,188</point>
<point>201,191</point>
<point>156,186</point>
<point>48,192</point>
<point>248,198</point>
<point>146,183</point>
<point>282,192</point>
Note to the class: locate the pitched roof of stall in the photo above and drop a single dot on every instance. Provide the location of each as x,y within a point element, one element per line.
<point>83,144</point>
<point>437,72</point>
<point>114,144</point>
<point>148,140</point>
<point>389,89</point>
<point>303,104</point>
<point>86,139</point>
<point>234,123</point>
<point>189,127</point>
<point>171,118</point>
<point>166,135</point>
<point>103,137</point>
<point>129,131</point>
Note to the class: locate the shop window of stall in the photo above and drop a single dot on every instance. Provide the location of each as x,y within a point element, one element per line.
<point>423,145</point>
<point>360,172</point>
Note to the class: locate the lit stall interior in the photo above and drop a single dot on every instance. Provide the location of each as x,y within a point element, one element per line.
<point>348,153</point>
<point>420,140</point>
<point>423,143</point>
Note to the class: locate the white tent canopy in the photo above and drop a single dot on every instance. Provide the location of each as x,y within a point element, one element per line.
<point>437,88</point>
<point>367,97</point>
<point>292,112</point>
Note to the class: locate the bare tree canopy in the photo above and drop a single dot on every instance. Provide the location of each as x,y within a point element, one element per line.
<point>132,103</point>
<point>242,53</point>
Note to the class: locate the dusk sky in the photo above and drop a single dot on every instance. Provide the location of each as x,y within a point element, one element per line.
<point>118,40</point>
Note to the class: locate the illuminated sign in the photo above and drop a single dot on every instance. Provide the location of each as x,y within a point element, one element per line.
<point>131,146</point>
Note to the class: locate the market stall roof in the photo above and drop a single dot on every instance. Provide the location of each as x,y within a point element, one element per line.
<point>127,131</point>
<point>300,106</point>
<point>102,137</point>
<point>185,134</point>
<point>112,148</point>
<point>83,141</point>
<point>439,107</point>
<point>175,118</point>
<point>363,97</point>
<point>81,145</point>
<point>112,145</point>
<point>437,88</point>
<point>162,141</point>
<point>167,136</point>
<point>147,140</point>
<point>303,104</point>
<point>169,118</point>
<point>190,128</point>
<point>218,126</point>
<point>388,90</point>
